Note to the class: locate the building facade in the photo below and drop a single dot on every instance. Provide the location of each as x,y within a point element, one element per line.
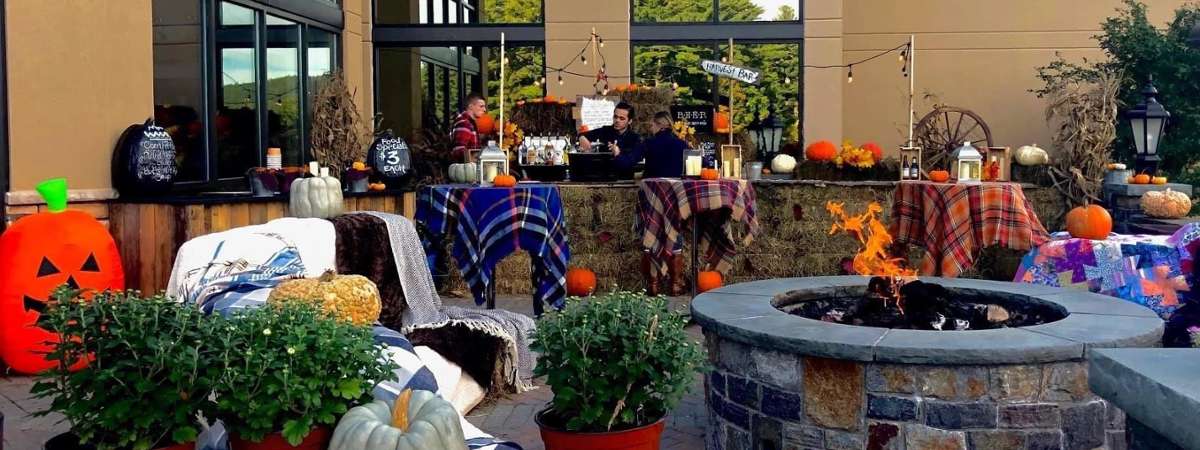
<point>228,75</point>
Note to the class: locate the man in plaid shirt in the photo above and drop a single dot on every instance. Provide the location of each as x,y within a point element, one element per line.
<point>464,133</point>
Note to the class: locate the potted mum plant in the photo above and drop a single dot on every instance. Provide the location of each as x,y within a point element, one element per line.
<point>147,382</point>
<point>288,372</point>
<point>617,364</point>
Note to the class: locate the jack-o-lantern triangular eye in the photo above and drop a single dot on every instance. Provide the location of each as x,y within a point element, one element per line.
<point>90,265</point>
<point>46,268</point>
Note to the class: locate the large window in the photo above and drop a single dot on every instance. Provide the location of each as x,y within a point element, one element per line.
<point>666,11</point>
<point>423,87</point>
<point>264,65</point>
<point>457,12</point>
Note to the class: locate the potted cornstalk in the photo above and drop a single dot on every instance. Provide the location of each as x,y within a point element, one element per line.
<point>147,383</point>
<point>288,372</point>
<point>617,364</point>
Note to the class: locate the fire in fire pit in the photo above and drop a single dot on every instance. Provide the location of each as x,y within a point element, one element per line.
<point>896,299</point>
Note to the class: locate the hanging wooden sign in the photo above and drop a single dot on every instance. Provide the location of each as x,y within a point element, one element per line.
<point>721,69</point>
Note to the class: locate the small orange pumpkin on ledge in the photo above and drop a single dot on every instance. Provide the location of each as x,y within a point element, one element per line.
<point>707,281</point>
<point>506,181</point>
<point>708,174</point>
<point>939,176</point>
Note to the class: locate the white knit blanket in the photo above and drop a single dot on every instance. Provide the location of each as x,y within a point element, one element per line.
<point>426,311</point>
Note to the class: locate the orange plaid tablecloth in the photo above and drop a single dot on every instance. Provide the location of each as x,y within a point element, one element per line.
<point>952,222</point>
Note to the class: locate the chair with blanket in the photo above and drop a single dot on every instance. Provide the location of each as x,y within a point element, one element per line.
<point>236,269</point>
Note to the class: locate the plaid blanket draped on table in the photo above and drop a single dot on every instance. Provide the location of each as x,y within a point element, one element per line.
<point>665,204</point>
<point>953,222</point>
<point>491,223</point>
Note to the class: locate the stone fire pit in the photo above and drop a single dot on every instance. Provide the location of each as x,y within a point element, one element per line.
<point>784,381</point>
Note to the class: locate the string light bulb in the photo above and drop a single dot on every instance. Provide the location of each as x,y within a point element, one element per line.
<point>537,82</point>
<point>850,74</point>
<point>584,59</point>
<point>560,80</point>
<point>506,61</point>
<point>787,80</point>
<point>724,59</point>
<point>903,55</point>
<point>675,85</point>
<point>598,38</point>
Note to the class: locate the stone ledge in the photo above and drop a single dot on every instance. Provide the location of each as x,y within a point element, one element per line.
<point>747,313</point>
<point>1155,387</point>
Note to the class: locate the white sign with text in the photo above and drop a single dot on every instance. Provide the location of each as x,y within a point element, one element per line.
<point>730,71</point>
<point>596,112</point>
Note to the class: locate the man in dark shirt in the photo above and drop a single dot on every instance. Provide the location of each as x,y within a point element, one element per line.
<point>663,151</point>
<point>619,133</point>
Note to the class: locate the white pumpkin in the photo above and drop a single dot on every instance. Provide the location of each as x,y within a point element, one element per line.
<point>319,197</point>
<point>1166,204</point>
<point>783,164</point>
<point>463,173</point>
<point>419,420</point>
<point>1031,155</point>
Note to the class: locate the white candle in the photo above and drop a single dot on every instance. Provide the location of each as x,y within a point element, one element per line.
<point>324,172</point>
<point>489,173</point>
<point>312,168</point>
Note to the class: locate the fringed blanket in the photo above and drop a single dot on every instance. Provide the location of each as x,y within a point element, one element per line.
<point>490,345</point>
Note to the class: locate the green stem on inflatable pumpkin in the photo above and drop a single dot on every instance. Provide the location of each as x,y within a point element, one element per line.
<point>54,191</point>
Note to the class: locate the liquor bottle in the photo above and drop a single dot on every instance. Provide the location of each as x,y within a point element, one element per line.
<point>914,169</point>
<point>904,172</point>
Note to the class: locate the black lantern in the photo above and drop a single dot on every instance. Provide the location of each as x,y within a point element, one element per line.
<point>773,131</point>
<point>1148,121</point>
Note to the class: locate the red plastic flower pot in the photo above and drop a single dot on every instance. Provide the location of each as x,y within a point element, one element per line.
<point>645,437</point>
<point>318,439</point>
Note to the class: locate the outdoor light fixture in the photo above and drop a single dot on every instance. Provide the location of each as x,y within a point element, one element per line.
<point>773,131</point>
<point>1148,120</point>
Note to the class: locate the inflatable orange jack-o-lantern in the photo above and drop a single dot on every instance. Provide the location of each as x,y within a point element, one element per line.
<point>39,253</point>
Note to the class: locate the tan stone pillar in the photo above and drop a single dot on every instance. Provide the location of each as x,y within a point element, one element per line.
<point>568,28</point>
<point>357,55</point>
<point>823,109</point>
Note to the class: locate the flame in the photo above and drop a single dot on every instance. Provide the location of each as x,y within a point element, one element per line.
<point>874,239</point>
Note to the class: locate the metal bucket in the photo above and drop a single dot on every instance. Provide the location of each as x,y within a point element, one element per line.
<point>1117,176</point>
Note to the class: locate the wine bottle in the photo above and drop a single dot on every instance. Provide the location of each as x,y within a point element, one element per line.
<point>904,173</point>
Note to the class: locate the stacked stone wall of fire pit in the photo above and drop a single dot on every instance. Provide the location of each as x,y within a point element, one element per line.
<point>781,381</point>
<point>769,399</point>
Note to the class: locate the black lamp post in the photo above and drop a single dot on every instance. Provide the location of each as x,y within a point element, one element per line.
<point>1148,120</point>
<point>774,133</point>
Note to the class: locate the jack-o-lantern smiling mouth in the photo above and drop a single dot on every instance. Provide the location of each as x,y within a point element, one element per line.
<point>47,268</point>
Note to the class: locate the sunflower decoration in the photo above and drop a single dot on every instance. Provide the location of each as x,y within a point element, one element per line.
<point>513,136</point>
<point>854,156</point>
<point>685,132</point>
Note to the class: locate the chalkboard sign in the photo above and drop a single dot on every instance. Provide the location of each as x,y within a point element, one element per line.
<point>144,160</point>
<point>698,117</point>
<point>390,157</point>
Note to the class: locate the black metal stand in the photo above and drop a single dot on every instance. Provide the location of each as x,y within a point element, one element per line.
<point>695,251</point>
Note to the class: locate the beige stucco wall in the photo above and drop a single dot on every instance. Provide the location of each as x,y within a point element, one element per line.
<point>357,55</point>
<point>79,72</point>
<point>979,55</point>
<point>569,27</point>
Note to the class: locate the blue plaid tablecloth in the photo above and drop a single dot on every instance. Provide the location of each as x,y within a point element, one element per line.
<point>491,223</point>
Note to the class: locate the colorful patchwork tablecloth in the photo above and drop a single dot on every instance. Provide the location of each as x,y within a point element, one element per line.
<point>953,222</point>
<point>491,223</point>
<point>665,204</point>
<point>1155,271</point>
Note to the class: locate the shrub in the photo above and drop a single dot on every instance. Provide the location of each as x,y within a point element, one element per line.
<point>288,367</point>
<point>614,362</point>
<point>148,377</point>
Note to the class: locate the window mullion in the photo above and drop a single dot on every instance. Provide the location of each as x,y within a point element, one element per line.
<point>260,58</point>
<point>303,96</point>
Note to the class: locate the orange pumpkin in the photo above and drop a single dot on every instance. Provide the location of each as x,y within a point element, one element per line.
<point>1089,222</point>
<point>707,281</point>
<point>39,253</point>
<point>721,122</point>
<point>504,181</point>
<point>550,99</point>
<point>583,129</point>
<point>875,149</point>
<point>581,282</point>
<point>939,176</point>
<point>1141,178</point>
<point>708,174</point>
<point>821,151</point>
<point>633,86</point>
<point>485,124</point>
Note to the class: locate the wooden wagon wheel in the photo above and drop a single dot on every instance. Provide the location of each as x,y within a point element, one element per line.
<point>945,129</point>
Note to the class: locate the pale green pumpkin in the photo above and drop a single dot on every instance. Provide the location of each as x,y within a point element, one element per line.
<point>319,197</point>
<point>420,420</point>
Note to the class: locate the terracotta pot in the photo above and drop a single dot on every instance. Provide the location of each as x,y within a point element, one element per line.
<point>642,438</point>
<point>69,441</point>
<point>318,439</point>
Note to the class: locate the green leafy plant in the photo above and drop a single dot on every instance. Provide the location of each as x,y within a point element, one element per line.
<point>289,368</point>
<point>614,362</point>
<point>1137,49</point>
<point>147,380</point>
